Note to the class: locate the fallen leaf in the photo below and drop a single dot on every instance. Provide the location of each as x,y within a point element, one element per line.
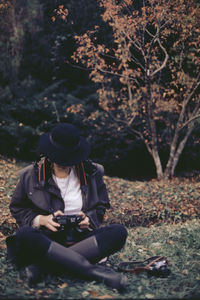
<point>185,272</point>
<point>85,294</point>
<point>149,296</point>
<point>93,294</point>
<point>63,285</point>
<point>170,242</point>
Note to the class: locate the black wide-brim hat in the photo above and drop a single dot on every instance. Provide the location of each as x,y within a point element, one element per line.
<point>64,145</point>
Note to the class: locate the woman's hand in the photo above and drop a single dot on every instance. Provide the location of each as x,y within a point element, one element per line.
<point>48,222</point>
<point>85,223</point>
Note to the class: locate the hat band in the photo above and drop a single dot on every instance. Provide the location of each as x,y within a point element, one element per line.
<point>58,146</point>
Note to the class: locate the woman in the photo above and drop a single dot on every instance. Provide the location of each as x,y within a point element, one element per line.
<point>64,186</point>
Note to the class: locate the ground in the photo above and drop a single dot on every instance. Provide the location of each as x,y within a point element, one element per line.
<point>162,218</point>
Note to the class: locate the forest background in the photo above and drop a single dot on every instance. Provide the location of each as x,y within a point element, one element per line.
<point>44,80</point>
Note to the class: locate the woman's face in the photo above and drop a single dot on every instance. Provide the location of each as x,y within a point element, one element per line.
<point>61,167</point>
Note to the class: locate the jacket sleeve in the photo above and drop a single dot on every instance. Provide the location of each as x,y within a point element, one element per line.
<point>21,208</point>
<point>96,214</point>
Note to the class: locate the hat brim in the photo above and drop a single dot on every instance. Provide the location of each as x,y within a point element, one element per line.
<point>64,157</point>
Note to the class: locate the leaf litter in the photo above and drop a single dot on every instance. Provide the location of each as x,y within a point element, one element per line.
<point>140,205</point>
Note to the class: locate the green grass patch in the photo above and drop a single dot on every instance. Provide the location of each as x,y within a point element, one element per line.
<point>179,243</point>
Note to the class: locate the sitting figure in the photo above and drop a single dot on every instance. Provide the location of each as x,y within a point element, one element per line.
<point>59,205</point>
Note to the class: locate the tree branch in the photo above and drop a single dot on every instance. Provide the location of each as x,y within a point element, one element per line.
<point>136,132</point>
<point>189,121</point>
<point>196,85</point>
<point>119,75</point>
<point>136,61</point>
<point>165,60</point>
<point>103,71</point>
<point>187,99</point>
<point>127,35</point>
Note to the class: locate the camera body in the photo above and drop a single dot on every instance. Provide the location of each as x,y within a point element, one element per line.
<point>159,265</point>
<point>66,222</point>
<point>159,268</point>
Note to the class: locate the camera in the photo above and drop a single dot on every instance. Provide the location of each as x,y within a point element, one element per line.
<point>159,268</point>
<point>159,265</point>
<point>67,222</point>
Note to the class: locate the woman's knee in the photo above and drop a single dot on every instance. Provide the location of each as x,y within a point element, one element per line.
<point>119,232</point>
<point>25,233</point>
<point>111,238</point>
<point>32,241</point>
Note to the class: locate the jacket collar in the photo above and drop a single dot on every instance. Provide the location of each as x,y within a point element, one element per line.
<point>44,174</point>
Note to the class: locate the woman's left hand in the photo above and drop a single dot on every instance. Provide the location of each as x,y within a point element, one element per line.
<point>85,223</point>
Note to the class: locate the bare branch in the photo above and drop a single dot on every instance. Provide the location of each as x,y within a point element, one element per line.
<point>151,35</point>
<point>103,71</point>
<point>187,99</point>
<point>137,46</point>
<point>164,24</point>
<point>195,86</point>
<point>116,74</point>
<point>165,60</point>
<point>140,135</point>
<point>180,149</point>
<point>136,61</point>
<point>134,131</point>
<point>189,121</point>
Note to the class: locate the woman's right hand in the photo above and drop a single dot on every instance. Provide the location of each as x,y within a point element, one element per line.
<point>47,221</point>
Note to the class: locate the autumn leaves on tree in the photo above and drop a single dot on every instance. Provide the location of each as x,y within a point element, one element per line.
<point>149,73</point>
<point>147,70</point>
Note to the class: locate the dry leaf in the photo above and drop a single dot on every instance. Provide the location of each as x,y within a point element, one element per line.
<point>93,294</point>
<point>63,285</point>
<point>170,242</point>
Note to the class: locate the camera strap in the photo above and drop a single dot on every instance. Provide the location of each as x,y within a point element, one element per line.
<point>135,267</point>
<point>80,170</point>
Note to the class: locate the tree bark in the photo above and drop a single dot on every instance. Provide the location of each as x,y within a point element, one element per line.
<point>154,140</point>
<point>156,158</point>
<point>175,155</point>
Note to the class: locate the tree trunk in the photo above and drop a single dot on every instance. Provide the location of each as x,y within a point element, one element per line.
<point>16,43</point>
<point>175,154</point>
<point>158,165</point>
<point>153,131</point>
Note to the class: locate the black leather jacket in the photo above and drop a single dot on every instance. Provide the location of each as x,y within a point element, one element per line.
<point>34,196</point>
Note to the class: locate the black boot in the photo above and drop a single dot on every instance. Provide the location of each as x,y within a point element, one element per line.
<point>68,260</point>
<point>33,273</point>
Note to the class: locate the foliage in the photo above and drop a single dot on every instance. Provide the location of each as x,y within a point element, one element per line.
<point>149,75</point>
<point>37,87</point>
<point>180,243</point>
<point>37,108</point>
<point>45,88</point>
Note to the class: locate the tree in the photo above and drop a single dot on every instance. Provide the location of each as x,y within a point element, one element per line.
<point>149,74</point>
<point>17,17</point>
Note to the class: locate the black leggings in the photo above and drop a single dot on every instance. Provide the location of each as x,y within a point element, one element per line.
<point>33,244</point>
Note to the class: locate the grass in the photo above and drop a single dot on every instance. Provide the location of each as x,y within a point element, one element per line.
<point>179,243</point>
<point>163,234</point>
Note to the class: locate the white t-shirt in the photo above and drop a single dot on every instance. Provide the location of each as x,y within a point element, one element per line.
<point>71,194</point>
